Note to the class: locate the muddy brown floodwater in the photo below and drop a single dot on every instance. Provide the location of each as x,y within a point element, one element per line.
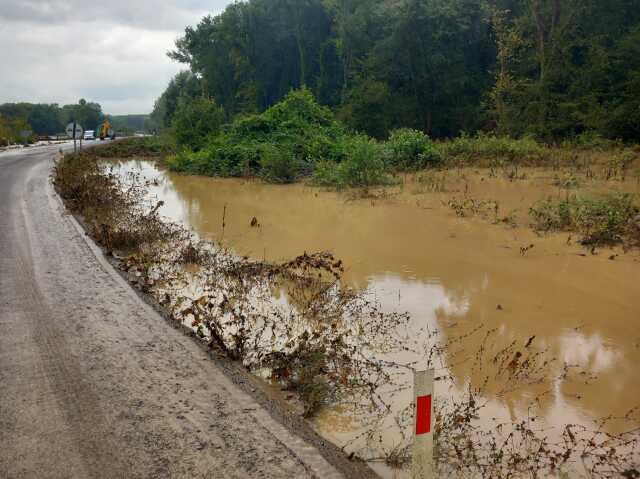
<point>412,253</point>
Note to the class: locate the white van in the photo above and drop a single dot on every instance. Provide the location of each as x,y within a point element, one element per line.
<point>89,135</point>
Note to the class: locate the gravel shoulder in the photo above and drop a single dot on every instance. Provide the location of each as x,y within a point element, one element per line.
<point>95,383</point>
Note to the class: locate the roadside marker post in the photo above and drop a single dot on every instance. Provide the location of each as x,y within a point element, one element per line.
<point>422,466</point>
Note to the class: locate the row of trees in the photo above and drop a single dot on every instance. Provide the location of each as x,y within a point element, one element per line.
<point>14,130</point>
<point>551,68</point>
<point>50,119</point>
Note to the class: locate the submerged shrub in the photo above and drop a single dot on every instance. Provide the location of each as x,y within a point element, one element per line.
<point>278,165</point>
<point>409,149</point>
<point>218,159</point>
<point>117,217</point>
<point>363,166</point>
<point>604,219</point>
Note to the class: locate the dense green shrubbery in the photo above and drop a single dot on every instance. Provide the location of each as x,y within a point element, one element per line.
<point>299,138</point>
<point>409,149</point>
<point>591,140</point>
<point>600,220</point>
<point>279,165</point>
<point>194,120</point>
<point>281,144</point>
<point>490,150</point>
<point>363,165</point>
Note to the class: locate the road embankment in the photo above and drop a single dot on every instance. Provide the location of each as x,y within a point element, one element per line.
<point>95,383</point>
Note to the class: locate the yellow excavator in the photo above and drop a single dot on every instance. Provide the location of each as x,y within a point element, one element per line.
<point>106,131</point>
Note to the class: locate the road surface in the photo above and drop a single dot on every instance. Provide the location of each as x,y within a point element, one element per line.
<point>93,382</point>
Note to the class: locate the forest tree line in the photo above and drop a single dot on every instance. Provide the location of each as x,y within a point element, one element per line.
<point>51,119</point>
<point>552,69</point>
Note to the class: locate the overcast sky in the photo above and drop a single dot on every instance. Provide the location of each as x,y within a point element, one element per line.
<point>112,52</point>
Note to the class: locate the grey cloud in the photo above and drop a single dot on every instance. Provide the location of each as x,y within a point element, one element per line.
<point>148,14</point>
<point>59,51</point>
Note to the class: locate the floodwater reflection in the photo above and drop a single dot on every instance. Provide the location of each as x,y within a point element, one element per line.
<point>450,274</point>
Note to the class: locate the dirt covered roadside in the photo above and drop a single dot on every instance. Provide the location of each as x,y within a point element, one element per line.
<point>296,323</point>
<point>95,384</point>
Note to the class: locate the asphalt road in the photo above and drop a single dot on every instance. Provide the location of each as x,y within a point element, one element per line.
<point>93,382</point>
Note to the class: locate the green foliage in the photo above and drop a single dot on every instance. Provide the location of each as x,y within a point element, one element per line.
<point>194,120</point>
<point>136,147</point>
<point>568,67</point>
<point>129,124</point>
<point>423,64</point>
<point>409,149</point>
<point>600,220</point>
<point>184,86</point>
<point>13,130</point>
<point>280,144</point>
<point>367,108</point>
<point>88,114</point>
<point>219,158</point>
<point>490,150</point>
<point>591,140</point>
<point>278,165</point>
<point>363,166</point>
<point>50,119</point>
<point>547,68</point>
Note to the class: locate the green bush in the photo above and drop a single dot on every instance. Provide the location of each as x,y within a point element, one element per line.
<point>600,220</point>
<point>194,120</point>
<point>279,145</point>
<point>278,165</point>
<point>219,158</point>
<point>409,149</point>
<point>363,166</point>
<point>491,150</point>
<point>591,140</point>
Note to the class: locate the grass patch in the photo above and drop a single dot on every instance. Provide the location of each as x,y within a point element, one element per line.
<point>432,181</point>
<point>605,219</point>
<point>492,151</point>
<point>137,147</point>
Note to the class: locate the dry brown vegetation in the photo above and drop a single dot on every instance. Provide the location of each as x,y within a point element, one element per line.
<point>298,323</point>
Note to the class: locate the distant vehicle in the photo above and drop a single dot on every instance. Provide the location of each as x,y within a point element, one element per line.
<point>106,131</point>
<point>89,135</point>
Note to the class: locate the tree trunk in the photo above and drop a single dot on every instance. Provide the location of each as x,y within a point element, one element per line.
<point>541,35</point>
<point>546,30</point>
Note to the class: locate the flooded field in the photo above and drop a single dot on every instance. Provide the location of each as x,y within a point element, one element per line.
<point>406,248</point>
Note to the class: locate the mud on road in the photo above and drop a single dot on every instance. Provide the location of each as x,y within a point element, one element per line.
<point>94,383</point>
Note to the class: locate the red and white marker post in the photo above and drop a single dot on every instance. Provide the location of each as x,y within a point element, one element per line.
<point>422,464</point>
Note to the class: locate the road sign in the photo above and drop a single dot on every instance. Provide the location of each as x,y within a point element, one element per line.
<point>422,464</point>
<point>74,131</point>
